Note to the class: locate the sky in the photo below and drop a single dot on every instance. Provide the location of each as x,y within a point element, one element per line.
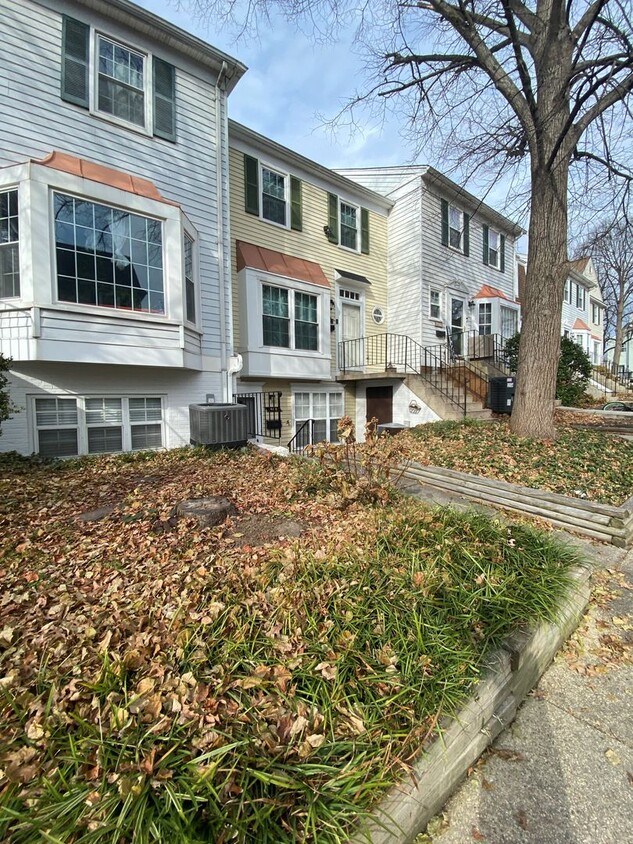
<point>292,86</point>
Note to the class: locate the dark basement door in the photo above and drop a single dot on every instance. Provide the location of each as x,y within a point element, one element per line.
<point>380,404</point>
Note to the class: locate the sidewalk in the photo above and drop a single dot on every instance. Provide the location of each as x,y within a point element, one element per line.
<point>562,773</point>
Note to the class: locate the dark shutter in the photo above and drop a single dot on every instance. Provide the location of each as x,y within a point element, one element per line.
<point>502,258</point>
<point>333,217</point>
<point>164,78</point>
<point>364,231</point>
<point>444,222</point>
<point>75,59</point>
<point>486,238</point>
<point>466,235</point>
<point>296,210</point>
<point>251,185</point>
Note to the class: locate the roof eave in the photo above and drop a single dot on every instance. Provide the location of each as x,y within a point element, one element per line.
<point>240,132</point>
<point>455,191</point>
<point>173,36</point>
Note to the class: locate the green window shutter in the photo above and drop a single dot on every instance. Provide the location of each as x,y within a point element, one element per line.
<point>75,59</point>
<point>502,257</point>
<point>364,231</point>
<point>296,209</point>
<point>164,79</point>
<point>251,185</point>
<point>333,217</point>
<point>466,235</point>
<point>444,222</point>
<point>486,240</point>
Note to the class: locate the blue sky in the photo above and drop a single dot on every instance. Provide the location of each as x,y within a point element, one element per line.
<point>291,85</point>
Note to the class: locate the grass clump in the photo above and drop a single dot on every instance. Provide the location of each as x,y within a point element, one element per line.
<point>580,463</point>
<point>240,694</point>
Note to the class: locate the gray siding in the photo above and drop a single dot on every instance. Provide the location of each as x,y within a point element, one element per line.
<point>405,302</point>
<point>36,121</point>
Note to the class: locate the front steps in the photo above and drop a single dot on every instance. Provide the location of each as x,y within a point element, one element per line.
<point>439,403</point>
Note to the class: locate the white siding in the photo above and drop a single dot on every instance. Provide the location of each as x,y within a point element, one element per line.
<point>405,300</point>
<point>383,180</point>
<point>30,55</point>
<point>178,390</point>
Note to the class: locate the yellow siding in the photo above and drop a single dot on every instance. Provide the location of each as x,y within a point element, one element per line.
<point>311,244</point>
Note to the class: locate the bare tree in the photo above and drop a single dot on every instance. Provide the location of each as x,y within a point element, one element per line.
<point>610,245</point>
<point>545,83</point>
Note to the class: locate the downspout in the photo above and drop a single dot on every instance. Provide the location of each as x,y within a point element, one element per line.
<point>221,137</point>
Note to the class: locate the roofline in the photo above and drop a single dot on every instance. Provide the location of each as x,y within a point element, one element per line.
<point>241,132</point>
<point>156,27</point>
<point>581,278</point>
<point>435,177</point>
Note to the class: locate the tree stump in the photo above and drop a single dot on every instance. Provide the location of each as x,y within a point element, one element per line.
<point>206,511</point>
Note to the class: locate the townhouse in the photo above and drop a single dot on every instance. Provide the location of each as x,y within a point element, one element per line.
<point>115,277</point>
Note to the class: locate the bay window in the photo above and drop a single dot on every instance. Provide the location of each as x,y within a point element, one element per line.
<point>301,332</point>
<point>190,287</point>
<point>485,318</point>
<point>108,257</point>
<point>9,245</point>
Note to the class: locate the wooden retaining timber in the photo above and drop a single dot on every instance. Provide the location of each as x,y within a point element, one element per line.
<point>600,521</point>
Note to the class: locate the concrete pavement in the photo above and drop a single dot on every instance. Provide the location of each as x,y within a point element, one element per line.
<point>562,773</point>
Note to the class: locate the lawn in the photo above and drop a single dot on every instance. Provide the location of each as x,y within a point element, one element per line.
<point>580,463</point>
<point>160,682</point>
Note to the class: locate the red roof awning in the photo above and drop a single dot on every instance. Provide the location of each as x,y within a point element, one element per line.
<point>278,263</point>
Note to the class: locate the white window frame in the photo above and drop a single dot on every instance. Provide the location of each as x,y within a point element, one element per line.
<point>596,313</point>
<point>357,208</point>
<point>568,292</point>
<point>291,291</point>
<point>508,307</point>
<point>459,211</point>
<point>82,426</point>
<point>148,90</point>
<point>188,232</point>
<point>581,298</point>
<point>486,325</point>
<point>435,291</point>
<point>496,264</point>
<point>286,177</point>
<point>14,189</point>
<point>311,391</point>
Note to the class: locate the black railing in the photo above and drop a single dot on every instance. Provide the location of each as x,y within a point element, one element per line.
<point>457,368</point>
<point>264,413</point>
<point>303,437</point>
<point>612,380</point>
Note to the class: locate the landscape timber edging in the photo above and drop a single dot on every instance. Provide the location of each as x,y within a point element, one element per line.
<point>511,673</point>
<point>590,518</point>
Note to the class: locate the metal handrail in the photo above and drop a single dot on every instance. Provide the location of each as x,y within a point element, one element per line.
<point>611,379</point>
<point>303,437</point>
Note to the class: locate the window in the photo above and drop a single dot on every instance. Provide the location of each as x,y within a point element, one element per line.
<point>279,330</point>
<point>56,421</point>
<point>190,287</point>
<point>349,226</point>
<point>352,295</point>
<point>273,196</point>
<point>435,310</point>
<point>9,246</point>
<point>493,248</point>
<point>596,353</point>
<point>110,424</point>
<point>455,228</point>
<point>116,80</point>
<point>108,257</point>
<point>509,322</point>
<point>485,318</point>
<point>596,314</point>
<point>121,82</point>
<point>325,409</point>
<point>580,297</point>
<point>568,292</point>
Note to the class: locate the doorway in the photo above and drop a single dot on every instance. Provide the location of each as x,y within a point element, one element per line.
<point>457,324</point>
<point>350,331</point>
<point>380,404</point>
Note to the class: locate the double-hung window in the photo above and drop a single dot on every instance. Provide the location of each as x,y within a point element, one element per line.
<point>485,318</point>
<point>117,81</point>
<point>568,292</point>
<point>325,409</point>
<point>493,248</point>
<point>121,81</point>
<point>97,425</point>
<point>580,297</point>
<point>596,314</point>
<point>274,200</point>
<point>435,310</point>
<point>455,227</point>
<point>108,257</point>
<point>190,286</point>
<point>349,226</point>
<point>279,329</point>
<point>9,245</point>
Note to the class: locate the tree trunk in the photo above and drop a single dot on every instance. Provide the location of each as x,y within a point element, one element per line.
<point>547,268</point>
<point>619,323</point>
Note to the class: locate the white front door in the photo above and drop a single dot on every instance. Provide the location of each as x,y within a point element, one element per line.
<point>350,330</point>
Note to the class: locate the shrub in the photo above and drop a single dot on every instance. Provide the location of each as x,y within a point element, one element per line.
<point>574,369</point>
<point>6,405</point>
